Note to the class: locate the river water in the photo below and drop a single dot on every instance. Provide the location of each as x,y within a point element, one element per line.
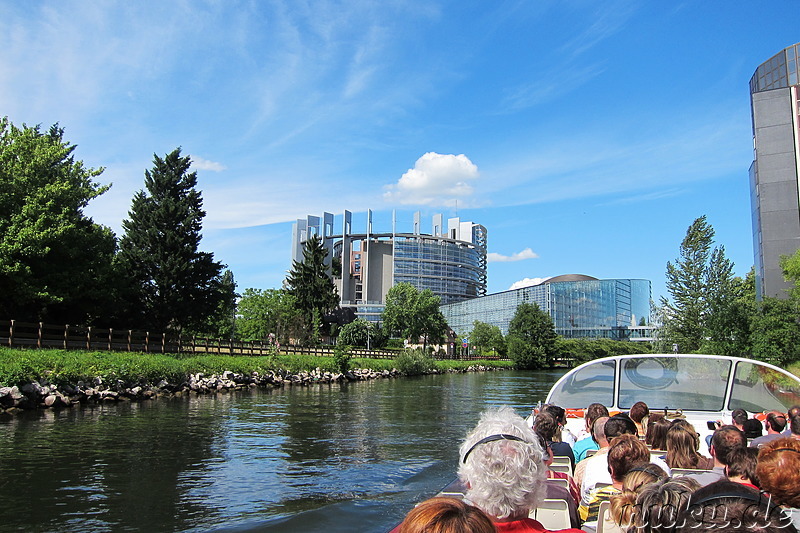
<point>344,457</point>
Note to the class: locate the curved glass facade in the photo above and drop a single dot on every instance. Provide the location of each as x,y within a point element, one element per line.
<point>607,308</point>
<point>454,270</point>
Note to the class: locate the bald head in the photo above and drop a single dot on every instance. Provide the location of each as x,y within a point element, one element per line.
<point>599,431</point>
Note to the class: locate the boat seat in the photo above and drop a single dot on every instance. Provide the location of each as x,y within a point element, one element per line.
<point>552,514</point>
<point>561,466</point>
<point>684,471</point>
<point>590,453</point>
<point>560,481</point>
<point>604,522</point>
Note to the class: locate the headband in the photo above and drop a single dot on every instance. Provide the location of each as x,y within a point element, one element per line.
<point>492,438</point>
<point>785,450</point>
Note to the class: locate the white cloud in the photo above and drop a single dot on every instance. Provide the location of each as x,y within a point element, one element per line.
<point>527,282</point>
<point>527,253</point>
<point>199,163</point>
<point>435,180</point>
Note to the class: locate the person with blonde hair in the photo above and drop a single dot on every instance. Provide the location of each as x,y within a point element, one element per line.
<point>623,505</point>
<point>446,515</point>
<point>502,467</point>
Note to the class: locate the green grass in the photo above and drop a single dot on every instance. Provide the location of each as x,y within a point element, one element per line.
<point>18,366</point>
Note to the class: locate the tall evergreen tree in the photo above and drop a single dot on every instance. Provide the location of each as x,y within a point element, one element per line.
<point>686,283</point>
<point>311,285</point>
<point>55,262</point>
<point>173,284</point>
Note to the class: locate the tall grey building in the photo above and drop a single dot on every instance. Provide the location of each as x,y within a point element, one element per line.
<point>774,191</point>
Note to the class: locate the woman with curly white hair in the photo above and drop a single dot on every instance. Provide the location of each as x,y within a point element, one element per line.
<point>502,466</point>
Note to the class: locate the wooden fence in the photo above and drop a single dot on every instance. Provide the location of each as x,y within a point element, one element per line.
<point>67,337</point>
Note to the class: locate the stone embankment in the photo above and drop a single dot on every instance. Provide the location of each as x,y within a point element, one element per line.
<point>42,394</point>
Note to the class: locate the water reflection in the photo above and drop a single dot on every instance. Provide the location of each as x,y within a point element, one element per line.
<point>296,459</point>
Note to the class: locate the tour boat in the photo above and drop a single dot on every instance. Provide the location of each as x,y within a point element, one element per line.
<point>700,388</point>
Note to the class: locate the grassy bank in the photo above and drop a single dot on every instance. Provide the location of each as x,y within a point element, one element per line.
<point>18,367</point>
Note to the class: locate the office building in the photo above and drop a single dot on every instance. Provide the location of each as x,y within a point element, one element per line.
<point>580,306</point>
<point>774,194</point>
<point>450,261</point>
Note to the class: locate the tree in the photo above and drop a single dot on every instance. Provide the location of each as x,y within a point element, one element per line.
<point>311,286</point>
<point>686,283</point>
<point>790,264</point>
<point>55,262</point>
<point>362,333</point>
<point>413,314</point>
<point>532,339</point>
<point>775,332</point>
<point>486,336</point>
<point>261,313</point>
<point>222,323</point>
<point>173,285</point>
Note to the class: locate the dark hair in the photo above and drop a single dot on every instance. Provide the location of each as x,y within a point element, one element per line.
<point>638,412</point>
<point>545,425</point>
<point>742,462</point>
<point>728,506</point>
<point>446,515</point>
<point>657,430</point>
<point>776,421</point>
<point>659,504</point>
<point>794,411</point>
<point>593,412</point>
<point>725,440</point>
<point>752,428</point>
<point>739,416</point>
<point>794,425</point>
<point>619,425</point>
<point>558,412</point>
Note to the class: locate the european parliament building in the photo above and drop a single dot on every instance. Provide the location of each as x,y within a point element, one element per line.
<point>580,306</point>
<point>449,260</point>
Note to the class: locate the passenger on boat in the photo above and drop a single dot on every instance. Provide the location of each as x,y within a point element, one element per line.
<point>625,453</point>
<point>657,428</point>
<point>560,414</point>
<point>682,449</point>
<point>586,443</point>
<point>794,427</point>
<point>623,505</point>
<point>658,504</point>
<point>739,419</point>
<point>639,413</point>
<point>445,515</point>
<point>778,472</point>
<point>741,467</point>
<point>558,492</point>
<point>725,440</point>
<point>728,506</point>
<point>547,426</point>
<point>597,466</point>
<point>502,466</point>
<point>775,423</point>
<point>753,428</point>
<point>599,435</point>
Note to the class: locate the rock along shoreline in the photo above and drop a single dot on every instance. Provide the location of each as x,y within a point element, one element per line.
<point>44,395</point>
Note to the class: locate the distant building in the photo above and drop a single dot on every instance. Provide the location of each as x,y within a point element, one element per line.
<point>450,262</point>
<point>580,306</point>
<point>775,204</point>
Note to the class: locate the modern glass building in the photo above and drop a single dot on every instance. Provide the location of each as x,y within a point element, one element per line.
<point>580,306</point>
<point>450,262</point>
<point>774,191</point>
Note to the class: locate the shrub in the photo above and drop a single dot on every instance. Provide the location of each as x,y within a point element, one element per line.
<point>415,362</point>
<point>341,358</point>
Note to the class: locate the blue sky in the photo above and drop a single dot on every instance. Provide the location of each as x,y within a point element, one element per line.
<point>586,136</point>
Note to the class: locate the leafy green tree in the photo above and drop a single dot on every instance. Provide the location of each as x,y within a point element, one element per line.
<point>173,285</point>
<point>311,286</point>
<point>790,264</point>
<point>488,337</point>
<point>362,333</point>
<point>271,311</point>
<point>775,331</point>
<point>223,322</point>
<point>413,314</point>
<point>532,339</point>
<point>55,262</point>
